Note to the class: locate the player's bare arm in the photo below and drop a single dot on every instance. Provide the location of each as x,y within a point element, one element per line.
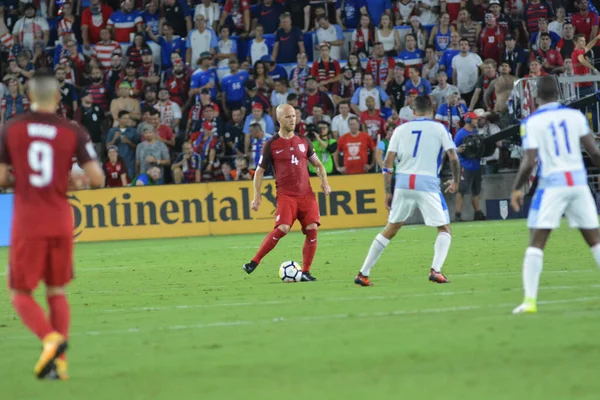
<point>322,174</point>
<point>6,180</point>
<point>452,186</point>
<point>258,178</point>
<point>388,171</point>
<point>94,174</point>
<point>589,144</point>
<point>527,165</point>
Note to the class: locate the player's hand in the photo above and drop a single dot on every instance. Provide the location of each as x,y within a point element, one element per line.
<point>326,188</point>
<point>450,186</point>
<point>256,203</point>
<point>516,200</point>
<point>388,201</point>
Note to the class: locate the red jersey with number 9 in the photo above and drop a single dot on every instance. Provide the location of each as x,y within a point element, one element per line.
<point>289,158</point>
<point>40,147</point>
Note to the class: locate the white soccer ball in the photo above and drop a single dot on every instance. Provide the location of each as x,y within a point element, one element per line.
<point>290,271</point>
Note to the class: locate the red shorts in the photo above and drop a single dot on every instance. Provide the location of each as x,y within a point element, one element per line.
<point>302,208</point>
<point>34,259</point>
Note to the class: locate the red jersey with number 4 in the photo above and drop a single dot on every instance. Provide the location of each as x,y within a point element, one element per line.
<point>289,158</point>
<point>113,173</point>
<point>40,147</point>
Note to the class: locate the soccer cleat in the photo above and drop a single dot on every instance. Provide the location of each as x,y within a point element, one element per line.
<point>437,277</point>
<point>362,280</point>
<point>528,306</point>
<point>250,267</point>
<point>54,345</point>
<point>61,368</point>
<point>307,277</point>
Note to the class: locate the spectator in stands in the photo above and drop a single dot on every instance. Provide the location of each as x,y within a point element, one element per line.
<point>318,116</point>
<point>355,147</point>
<point>99,91</point>
<point>465,67</point>
<point>534,41</point>
<point>348,13</point>
<point>371,120</point>
<point>440,34</point>
<point>233,138</point>
<point>169,43</point>
<point>503,20</point>
<point>380,66</point>
<point>403,10</point>
<point>105,48</point>
<point>254,96</point>
<point>318,11</point>
<point>258,139</point>
<point>468,29</point>
<point>242,172</point>
<point>428,14</point>
<point>41,59</point>
<point>483,82</point>
<point>170,112</point>
<point>552,61</point>
<point>257,47</point>
<point>258,116</point>
<point>210,11</point>
<point>556,26</point>
<point>497,94</point>
<point>471,170</point>
<point>299,73</point>
<point>451,112</point>
<point>420,33</point>
<point>324,146</point>
<point>115,169</point>
<point>431,66</point>
<point>14,102</point>
<point>136,84</point>
<point>68,20</point>
<point>448,54</point>
<point>292,99</point>
<point>585,21</point>
<point>359,100</point>
<point>150,97</point>
<point>377,8</point>
<point>443,88</point>
<point>514,56</point>
<point>236,14</point>
<point>411,54</point>
<point>177,13</point>
<point>151,151</point>
<point>134,52</point>
<point>344,89</point>
<point>125,103</point>
<point>150,177</point>
<point>452,8</point>
<point>148,72</point>
<point>200,41</point>
<point>279,96</point>
<point>566,45</point>
<point>267,14</point>
<point>113,75</point>
<point>568,89</point>
<point>68,93</point>
<point>581,64</point>
<point>332,35</point>
<point>226,48</point>
<point>417,83</point>
<point>177,79</point>
<point>487,128</point>
<point>233,93</point>
<point>226,172</point>
<point>30,28</point>
<point>388,36</point>
<point>152,18</point>
<point>205,142</point>
<point>164,133</point>
<point>312,95</point>
<point>300,129</point>
<point>397,88</point>
<point>357,70</point>
<point>274,71</point>
<point>532,12</point>
<point>339,124</point>
<point>204,77</point>
<point>326,70</point>
<point>21,67</point>
<point>126,139</point>
<point>186,167</point>
<point>363,38</point>
<point>93,20</point>
<point>407,112</point>
<point>491,39</point>
<point>289,41</point>
<point>125,22</point>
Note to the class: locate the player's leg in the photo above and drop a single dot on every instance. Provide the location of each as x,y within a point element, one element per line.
<point>582,214</point>
<point>547,207</point>
<point>287,208</point>
<point>28,261</point>
<point>308,215</point>
<point>435,214</point>
<point>403,205</point>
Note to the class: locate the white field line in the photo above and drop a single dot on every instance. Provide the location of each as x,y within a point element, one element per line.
<point>317,318</point>
<point>334,299</point>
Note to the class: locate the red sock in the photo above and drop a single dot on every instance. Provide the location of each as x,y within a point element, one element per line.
<point>309,249</point>
<point>32,314</point>
<point>268,244</point>
<point>60,315</point>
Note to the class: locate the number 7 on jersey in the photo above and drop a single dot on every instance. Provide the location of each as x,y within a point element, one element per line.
<point>418,133</point>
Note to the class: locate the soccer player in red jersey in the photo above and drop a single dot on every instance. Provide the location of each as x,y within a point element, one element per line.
<point>289,155</point>
<point>39,146</point>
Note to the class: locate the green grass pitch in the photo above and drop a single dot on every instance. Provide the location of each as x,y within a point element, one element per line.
<point>179,319</point>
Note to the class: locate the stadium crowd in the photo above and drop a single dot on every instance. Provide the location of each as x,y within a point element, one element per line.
<point>178,91</point>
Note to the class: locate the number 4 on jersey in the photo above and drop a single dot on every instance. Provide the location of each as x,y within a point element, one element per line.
<point>295,160</point>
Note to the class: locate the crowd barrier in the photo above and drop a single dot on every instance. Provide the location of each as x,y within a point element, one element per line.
<point>204,209</point>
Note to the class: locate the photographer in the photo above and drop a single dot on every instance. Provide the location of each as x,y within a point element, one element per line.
<point>242,172</point>
<point>324,145</point>
<point>470,180</point>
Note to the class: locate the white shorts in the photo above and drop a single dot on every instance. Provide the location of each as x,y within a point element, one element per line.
<point>431,204</point>
<point>550,204</point>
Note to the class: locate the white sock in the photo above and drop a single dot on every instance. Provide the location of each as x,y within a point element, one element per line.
<point>375,251</point>
<point>596,254</point>
<point>440,250</point>
<point>532,269</point>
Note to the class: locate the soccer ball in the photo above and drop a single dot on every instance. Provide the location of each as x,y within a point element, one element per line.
<point>290,271</point>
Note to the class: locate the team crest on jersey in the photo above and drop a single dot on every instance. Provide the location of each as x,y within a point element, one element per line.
<point>503,204</point>
<point>302,148</point>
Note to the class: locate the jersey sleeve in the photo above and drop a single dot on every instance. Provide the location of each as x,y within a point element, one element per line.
<point>528,139</point>
<point>4,156</point>
<point>266,158</point>
<point>85,151</point>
